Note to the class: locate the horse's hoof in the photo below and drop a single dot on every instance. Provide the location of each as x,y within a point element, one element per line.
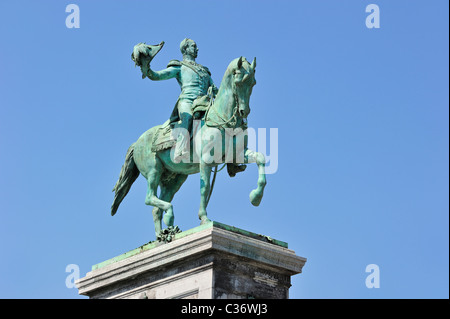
<point>255,197</point>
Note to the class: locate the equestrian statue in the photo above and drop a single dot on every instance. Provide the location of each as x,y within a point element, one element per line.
<point>204,126</point>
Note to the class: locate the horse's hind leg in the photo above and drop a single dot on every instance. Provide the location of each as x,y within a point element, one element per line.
<point>157,217</point>
<point>153,179</point>
<point>168,191</point>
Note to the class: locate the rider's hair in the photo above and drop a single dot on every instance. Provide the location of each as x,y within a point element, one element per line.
<point>184,44</point>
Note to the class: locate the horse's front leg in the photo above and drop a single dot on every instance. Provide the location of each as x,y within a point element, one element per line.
<point>256,195</point>
<point>205,187</point>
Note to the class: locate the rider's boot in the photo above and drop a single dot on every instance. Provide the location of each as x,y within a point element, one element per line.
<point>181,148</point>
<point>181,152</point>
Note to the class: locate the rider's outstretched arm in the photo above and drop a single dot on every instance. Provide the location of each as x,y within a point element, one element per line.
<point>169,73</point>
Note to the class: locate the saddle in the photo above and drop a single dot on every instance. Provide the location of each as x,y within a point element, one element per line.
<point>200,106</point>
<point>164,137</point>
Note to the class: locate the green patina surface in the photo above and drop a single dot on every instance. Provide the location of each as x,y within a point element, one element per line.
<point>164,154</point>
<point>188,232</point>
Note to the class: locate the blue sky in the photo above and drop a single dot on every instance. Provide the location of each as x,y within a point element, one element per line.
<point>362,119</point>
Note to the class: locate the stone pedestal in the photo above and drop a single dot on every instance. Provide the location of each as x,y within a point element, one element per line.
<point>211,261</point>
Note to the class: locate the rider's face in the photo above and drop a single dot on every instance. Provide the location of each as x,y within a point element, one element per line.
<point>192,49</point>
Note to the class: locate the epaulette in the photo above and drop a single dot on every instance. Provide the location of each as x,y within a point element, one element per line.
<point>174,63</point>
<point>207,70</point>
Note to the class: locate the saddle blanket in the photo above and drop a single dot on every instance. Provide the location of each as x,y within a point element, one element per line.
<point>163,138</point>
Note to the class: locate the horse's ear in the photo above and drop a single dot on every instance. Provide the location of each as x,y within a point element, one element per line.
<point>239,63</point>
<point>253,64</point>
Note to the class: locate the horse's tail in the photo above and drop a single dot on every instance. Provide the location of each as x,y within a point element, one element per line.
<point>128,175</point>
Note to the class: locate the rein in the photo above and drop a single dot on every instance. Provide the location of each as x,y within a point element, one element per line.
<point>232,120</point>
<point>212,183</point>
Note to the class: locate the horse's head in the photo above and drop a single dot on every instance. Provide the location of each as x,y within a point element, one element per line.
<point>242,76</point>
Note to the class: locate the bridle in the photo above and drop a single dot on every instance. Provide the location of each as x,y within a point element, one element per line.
<point>231,121</point>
